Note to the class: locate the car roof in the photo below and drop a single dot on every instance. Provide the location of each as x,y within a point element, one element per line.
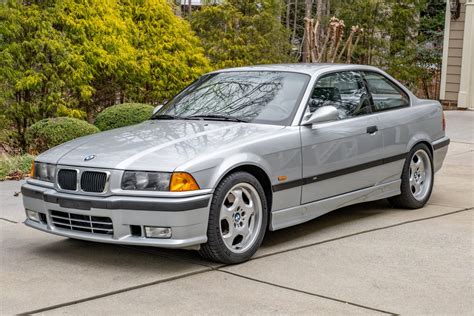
<point>308,68</point>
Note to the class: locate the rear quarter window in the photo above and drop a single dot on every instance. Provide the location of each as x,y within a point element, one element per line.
<point>386,95</point>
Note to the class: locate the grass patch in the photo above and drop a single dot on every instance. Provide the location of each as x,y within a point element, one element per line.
<point>15,167</point>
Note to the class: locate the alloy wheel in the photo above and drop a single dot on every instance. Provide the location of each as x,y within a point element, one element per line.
<point>420,174</point>
<point>240,218</point>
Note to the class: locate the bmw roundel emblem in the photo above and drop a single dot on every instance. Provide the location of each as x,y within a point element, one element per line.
<point>90,157</point>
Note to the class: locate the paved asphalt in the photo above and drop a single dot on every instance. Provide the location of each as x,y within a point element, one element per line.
<point>363,259</point>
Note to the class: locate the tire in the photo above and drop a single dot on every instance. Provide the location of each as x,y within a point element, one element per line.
<point>238,208</point>
<point>417,179</point>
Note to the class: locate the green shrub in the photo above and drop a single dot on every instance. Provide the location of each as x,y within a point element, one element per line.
<point>121,115</point>
<point>15,167</point>
<point>51,132</point>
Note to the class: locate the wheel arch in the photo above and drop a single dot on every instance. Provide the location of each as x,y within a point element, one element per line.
<point>420,138</point>
<point>425,142</point>
<point>258,173</point>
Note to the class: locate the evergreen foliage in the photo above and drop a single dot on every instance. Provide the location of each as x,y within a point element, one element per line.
<point>430,46</point>
<point>239,33</point>
<point>36,65</point>
<point>51,132</point>
<point>390,30</point>
<point>121,115</point>
<point>76,57</point>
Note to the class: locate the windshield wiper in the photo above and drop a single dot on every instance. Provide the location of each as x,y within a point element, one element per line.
<point>166,117</point>
<point>219,117</point>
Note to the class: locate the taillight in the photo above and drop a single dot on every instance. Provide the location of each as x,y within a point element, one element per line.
<point>444,122</point>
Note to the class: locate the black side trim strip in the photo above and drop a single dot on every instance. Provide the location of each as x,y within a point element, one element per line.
<point>288,185</point>
<point>32,193</point>
<point>337,173</point>
<point>441,144</point>
<point>72,203</point>
<point>81,204</point>
<point>160,206</point>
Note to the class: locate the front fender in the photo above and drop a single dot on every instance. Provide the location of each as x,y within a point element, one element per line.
<point>209,177</point>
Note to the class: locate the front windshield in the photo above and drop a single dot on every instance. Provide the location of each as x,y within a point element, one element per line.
<point>268,97</point>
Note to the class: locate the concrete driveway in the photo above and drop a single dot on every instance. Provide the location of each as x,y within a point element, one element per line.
<point>363,259</point>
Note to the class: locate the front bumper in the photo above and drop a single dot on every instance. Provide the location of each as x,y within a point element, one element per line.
<point>186,216</point>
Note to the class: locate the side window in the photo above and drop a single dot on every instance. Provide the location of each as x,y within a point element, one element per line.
<point>385,94</point>
<point>343,90</point>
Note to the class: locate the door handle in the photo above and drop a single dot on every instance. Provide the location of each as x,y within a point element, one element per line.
<point>372,129</point>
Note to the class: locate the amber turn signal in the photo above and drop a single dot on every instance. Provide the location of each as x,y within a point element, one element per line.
<point>182,181</point>
<point>32,170</point>
<point>282,178</point>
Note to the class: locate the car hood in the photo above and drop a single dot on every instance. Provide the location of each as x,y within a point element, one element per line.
<point>160,145</point>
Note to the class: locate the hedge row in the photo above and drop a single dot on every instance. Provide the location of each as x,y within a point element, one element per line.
<point>121,115</point>
<point>51,132</point>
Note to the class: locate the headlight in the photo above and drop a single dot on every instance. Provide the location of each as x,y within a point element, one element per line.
<point>148,181</point>
<point>158,181</point>
<point>44,171</point>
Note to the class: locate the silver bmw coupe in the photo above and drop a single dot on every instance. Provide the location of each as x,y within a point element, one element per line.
<point>239,152</point>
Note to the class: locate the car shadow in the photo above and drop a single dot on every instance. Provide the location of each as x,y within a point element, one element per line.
<point>84,254</point>
<point>299,235</point>
<point>141,257</point>
<point>328,224</point>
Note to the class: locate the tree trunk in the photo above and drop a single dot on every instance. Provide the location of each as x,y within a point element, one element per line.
<point>295,17</point>
<point>21,127</point>
<point>426,88</point>
<point>324,46</point>
<point>437,82</point>
<point>316,50</point>
<point>89,113</point>
<point>319,10</point>
<point>307,33</point>
<point>288,7</point>
<point>319,16</point>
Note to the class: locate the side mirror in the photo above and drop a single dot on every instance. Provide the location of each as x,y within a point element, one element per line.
<point>157,108</point>
<point>323,114</point>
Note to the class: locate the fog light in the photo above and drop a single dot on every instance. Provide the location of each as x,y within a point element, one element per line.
<point>33,215</point>
<point>157,232</point>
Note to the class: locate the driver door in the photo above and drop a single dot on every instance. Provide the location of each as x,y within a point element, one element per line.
<point>339,156</point>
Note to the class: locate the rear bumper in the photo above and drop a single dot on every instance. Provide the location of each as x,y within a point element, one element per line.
<point>187,217</point>
<point>440,149</point>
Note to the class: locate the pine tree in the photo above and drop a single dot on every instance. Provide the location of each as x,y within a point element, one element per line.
<point>75,57</point>
<point>242,32</point>
<point>36,65</point>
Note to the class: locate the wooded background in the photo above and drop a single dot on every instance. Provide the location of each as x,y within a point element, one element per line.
<point>76,57</point>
